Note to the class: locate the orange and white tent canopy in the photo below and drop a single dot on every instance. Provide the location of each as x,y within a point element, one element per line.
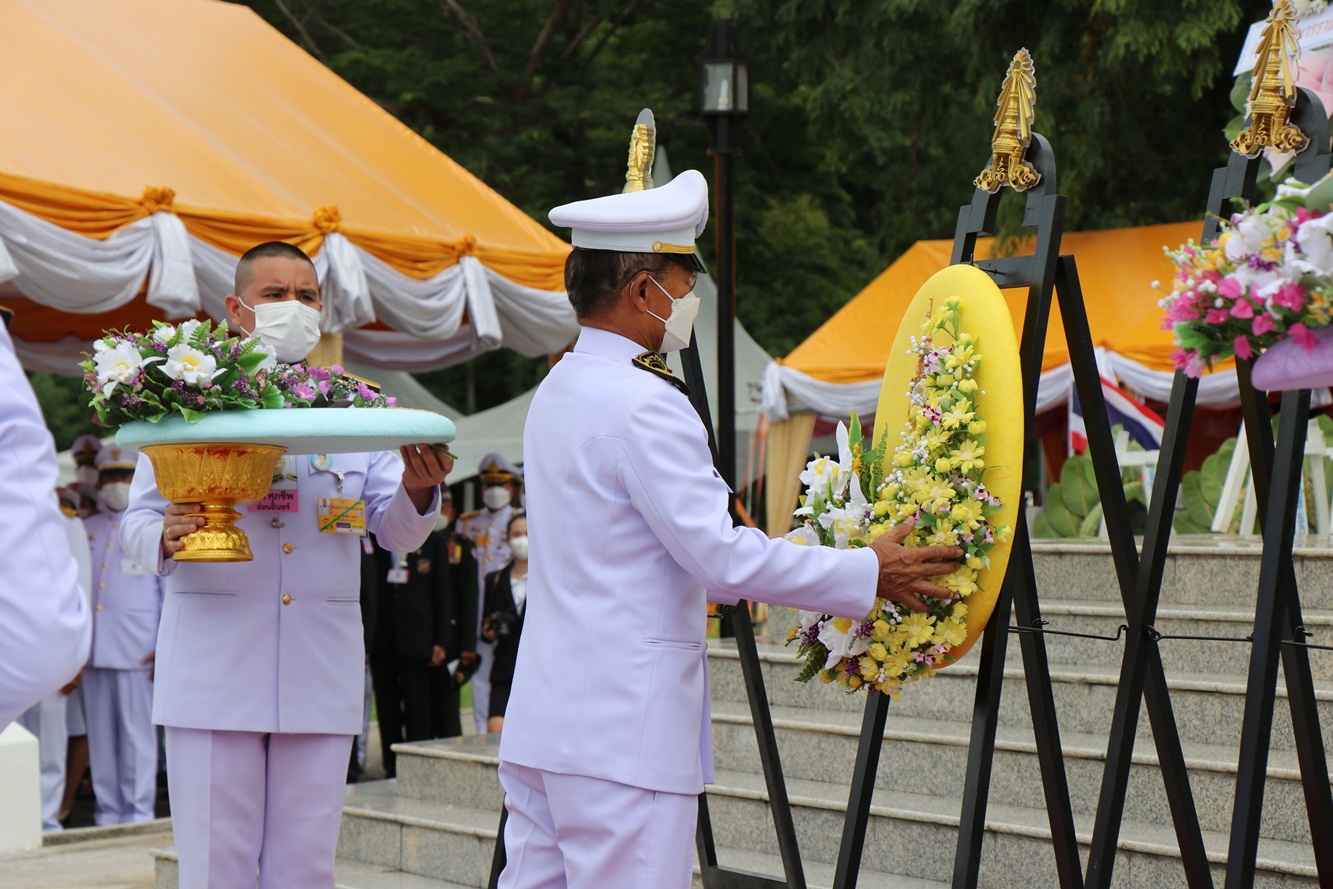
<point>148,143</point>
<point>838,369</point>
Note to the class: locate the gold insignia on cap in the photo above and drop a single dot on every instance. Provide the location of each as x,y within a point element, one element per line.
<point>661,247</point>
<point>642,150</point>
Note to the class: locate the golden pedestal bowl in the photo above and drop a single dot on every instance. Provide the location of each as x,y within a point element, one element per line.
<point>217,477</point>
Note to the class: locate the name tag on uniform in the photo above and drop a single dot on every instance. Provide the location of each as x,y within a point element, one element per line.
<point>397,575</point>
<point>276,501</point>
<point>339,516</point>
<point>282,496</point>
<point>131,568</point>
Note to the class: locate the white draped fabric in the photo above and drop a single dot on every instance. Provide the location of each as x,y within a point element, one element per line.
<point>443,320</point>
<point>788,388</point>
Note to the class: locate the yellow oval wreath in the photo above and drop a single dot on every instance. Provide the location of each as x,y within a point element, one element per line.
<point>984,315</point>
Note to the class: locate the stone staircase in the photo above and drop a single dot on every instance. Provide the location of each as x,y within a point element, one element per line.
<point>434,827</point>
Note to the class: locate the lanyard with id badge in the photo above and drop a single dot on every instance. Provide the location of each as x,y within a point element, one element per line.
<point>338,515</point>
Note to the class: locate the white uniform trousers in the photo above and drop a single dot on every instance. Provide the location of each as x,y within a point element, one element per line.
<point>46,720</point>
<point>574,832</point>
<point>122,743</point>
<point>246,802</point>
<point>74,723</point>
<point>481,684</point>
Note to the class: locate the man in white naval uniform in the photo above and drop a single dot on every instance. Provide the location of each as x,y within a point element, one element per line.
<point>606,740</point>
<point>45,625</point>
<point>118,680</point>
<point>486,528</point>
<point>261,664</point>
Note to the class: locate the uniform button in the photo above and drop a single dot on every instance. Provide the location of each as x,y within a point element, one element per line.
<point>101,586</point>
<point>109,544</point>
<point>286,598</point>
<point>99,607</point>
<point>115,526</point>
<point>287,548</point>
<point>106,564</point>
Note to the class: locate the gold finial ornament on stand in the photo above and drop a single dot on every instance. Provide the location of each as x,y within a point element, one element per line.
<point>642,150</point>
<point>1013,130</point>
<point>1273,92</point>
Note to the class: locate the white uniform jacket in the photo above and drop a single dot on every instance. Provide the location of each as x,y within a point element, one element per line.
<point>44,617</point>
<point>628,526</point>
<point>126,597</point>
<point>275,644</point>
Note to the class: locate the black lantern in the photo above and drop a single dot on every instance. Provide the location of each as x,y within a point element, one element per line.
<point>726,79</point>
<point>726,100</point>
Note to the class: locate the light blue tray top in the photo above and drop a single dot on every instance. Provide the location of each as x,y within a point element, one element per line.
<point>299,430</point>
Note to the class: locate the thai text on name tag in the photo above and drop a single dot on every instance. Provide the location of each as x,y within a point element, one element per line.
<point>277,500</point>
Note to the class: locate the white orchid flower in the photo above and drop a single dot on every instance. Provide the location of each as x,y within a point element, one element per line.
<point>803,536</point>
<point>184,362</point>
<point>1315,237</point>
<point>118,364</point>
<point>837,636</point>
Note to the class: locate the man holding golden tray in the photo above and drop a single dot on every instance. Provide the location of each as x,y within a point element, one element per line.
<point>260,672</point>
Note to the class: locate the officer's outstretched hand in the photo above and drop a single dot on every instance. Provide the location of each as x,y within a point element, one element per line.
<point>904,570</point>
<point>177,523</point>
<point>423,469</point>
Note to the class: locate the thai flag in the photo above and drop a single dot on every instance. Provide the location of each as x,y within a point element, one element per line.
<point>1142,423</point>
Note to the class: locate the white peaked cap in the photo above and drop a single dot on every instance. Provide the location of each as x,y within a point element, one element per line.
<point>665,219</point>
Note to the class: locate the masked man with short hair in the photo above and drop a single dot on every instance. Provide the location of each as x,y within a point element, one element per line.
<point>261,664</point>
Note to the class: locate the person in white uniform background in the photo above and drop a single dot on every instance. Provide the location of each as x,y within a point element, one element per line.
<point>118,680</point>
<point>48,719</point>
<point>44,619</point>
<point>485,527</point>
<point>606,741</point>
<point>261,664</point>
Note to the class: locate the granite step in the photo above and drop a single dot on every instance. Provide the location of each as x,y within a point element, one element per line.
<point>1215,642</point>
<point>912,832</point>
<point>1206,571</point>
<point>915,831</point>
<point>935,753</point>
<point>441,839</point>
<point>347,875</point>
<point>1209,707</point>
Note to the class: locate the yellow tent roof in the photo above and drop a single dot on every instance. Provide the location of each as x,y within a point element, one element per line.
<point>107,102</point>
<point>1116,269</point>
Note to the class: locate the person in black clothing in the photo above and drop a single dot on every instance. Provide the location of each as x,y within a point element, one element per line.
<point>506,598</point>
<point>461,658</point>
<point>415,625</point>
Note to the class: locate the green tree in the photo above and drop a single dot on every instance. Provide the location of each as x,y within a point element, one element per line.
<point>868,119</point>
<point>65,407</point>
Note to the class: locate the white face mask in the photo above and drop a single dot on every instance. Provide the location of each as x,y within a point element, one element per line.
<point>519,547</point>
<point>495,498</point>
<point>289,326</point>
<point>442,521</point>
<point>116,495</point>
<point>680,322</point>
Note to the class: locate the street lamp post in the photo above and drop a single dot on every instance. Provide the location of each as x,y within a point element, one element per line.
<point>726,100</point>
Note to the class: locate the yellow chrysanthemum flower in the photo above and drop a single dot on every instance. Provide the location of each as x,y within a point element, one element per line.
<point>957,415</point>
<point>966,514</point>
<point>919,627</point>
<point>879,630</point>
<point>967,457</point>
